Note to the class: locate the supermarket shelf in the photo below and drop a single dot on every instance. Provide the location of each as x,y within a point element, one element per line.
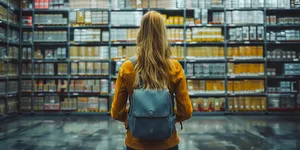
<point>123,43</point>
<point>281,113</point>
<point>125,26</point>
<point>6,5</point>
<point>240,25</point>
<point>246,94</point>
<point>284,77</point>
<point>45,43</point>
<point>282,9</point>
<point>62,113</point>
<point>250,60</point>
<point>284,61</point>
<point>49,10</point>
<point>98,60</point>
<point>206,78</point>
<point>89,77</point>
<point>284,42</point>
<point>2,22</point>
<point>10,43</point>
<point>51,27</point>
<point>89,9</point>
<point>88,94</point>
<point>284,26</point>
<point>90,26</point>
<point>207,94</point>
<point>48,61</point>
<point>246,77</point>
<point>245,42</point>
<point>208,113</point>
<point>89,43</point>
<point>244,9</point>
<point>248,113</point>
<point>205,25</point>
<point>206,60</point>
<point>45,77</point>
<point>204,43</point>
<point>55,93</point>
<point>282,93</point>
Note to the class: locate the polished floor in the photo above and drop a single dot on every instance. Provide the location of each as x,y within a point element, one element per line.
<point>102,133</point>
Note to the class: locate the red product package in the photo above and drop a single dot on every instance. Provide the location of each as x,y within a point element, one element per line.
<point>36,4</point>
<point>46,4</point>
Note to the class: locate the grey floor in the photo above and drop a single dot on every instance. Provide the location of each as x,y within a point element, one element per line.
<point>102,133</point>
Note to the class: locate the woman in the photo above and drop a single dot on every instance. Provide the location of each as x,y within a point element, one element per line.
<point>158,71</point>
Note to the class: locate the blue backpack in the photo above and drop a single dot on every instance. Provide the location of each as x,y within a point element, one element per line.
<point>151,114</point>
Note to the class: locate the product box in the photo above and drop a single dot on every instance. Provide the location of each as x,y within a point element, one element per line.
<point>81,68</point>
<point>190,69</point>
<point>103,104</point>
<point>104,68</point>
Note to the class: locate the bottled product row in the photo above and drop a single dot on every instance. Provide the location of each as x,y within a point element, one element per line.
<point>10,35</point>
<point>62,4</point>
<point>74,86</point>
<point>12,105</point>
<point>9,69</point>
<point>79,104</point>
<point>10,86</point>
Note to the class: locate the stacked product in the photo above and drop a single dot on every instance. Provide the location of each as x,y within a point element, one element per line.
<point>62,69</point>
<point>163,3</point>
<point>38,103</point>
<point>283,35</point>
<point>13,18</point>
<point>2,88</point>
<point>281,102</point>
<point>245,52</point>
<point>244,3</point>
<point>126,18</point>
<point>173,20</point>
<point>2,106</point>
<point>13,70</point>
<point>48,53</point>
<point>279,54</point>
<point>291,69</point>
<point>202,70</point>
<point>205,4</point>
<point>208,34</point>
<point>12,103</point>
<point>26,86</point>
<point>246,69</point>
<point>89,68</point>
<point>92,104</point>
<point>45,86</point>
<point>87,35</point>
<point>2,69</point>
<point>13,52</point>
<point>26,104</point>
<point>50,4</point>
<point>130,4</point>
<point>245,17</point>
<point>246,86</point>
<point>271,71</point>
<point>206,86</point>
<point>69,104</point>
<point>278,4</point>
<point>246,33</point>
<point>89,4</point>
<point>12,87</point>
<point>45,36</point>
<point>88,18</point>
<point>122,52</point>
<point>13,36</point>
<point>126,35</point>
<point>243,104</point>
<point>3,13</point>
<point>51,103</point>
<point>26,69</point>
<point>26,4</point>
<point>50,19</point>
<point>175,35</point>
<point>89,52</point>
<point>205,52</point>
<point>208,104</point>
<point>44,69</point>
<point>273,20</point>
<point>285,87</point>
<point>177,52</point>
<point>89,86</point>
<point>2,34</point>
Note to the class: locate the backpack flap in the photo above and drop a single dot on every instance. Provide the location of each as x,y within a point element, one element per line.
<point>151,103</point>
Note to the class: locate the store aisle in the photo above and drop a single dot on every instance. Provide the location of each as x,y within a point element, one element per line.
<point>200,133</point>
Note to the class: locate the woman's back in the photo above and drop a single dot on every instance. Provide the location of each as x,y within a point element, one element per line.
<point>157,71</point>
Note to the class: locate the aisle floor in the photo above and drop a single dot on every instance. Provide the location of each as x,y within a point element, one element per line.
<point>102,133</point>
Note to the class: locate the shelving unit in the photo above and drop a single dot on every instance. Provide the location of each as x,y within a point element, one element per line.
<point>185,12</point>
<point>9,64</point>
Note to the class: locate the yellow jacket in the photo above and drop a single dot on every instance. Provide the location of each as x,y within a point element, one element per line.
<point>124,87</point>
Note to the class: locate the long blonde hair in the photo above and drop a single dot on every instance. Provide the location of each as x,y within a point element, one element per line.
<point>153,63</point>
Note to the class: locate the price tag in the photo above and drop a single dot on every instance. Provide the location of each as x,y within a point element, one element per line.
<point>246,42</point>
<point>277,42</point>
<point>178,42</point>
<point>193,42</point>
<point>40,94</point>
<point>208,25</point>
<point>117,9</point>
<point>139,9</point>
<point>295,59</point>
<point>75,94</point>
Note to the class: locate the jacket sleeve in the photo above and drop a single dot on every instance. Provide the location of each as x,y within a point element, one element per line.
<point>184,106</point>
<point>118,110</point>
